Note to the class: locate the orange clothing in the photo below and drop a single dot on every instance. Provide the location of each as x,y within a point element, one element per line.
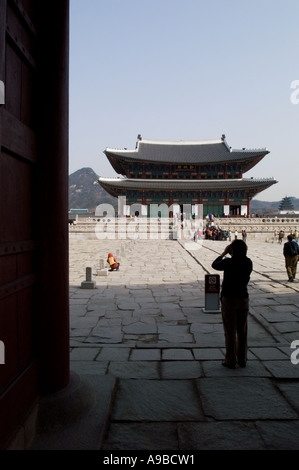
<point>112,261</point>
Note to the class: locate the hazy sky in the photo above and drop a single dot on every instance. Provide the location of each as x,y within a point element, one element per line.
<point>187,70</point>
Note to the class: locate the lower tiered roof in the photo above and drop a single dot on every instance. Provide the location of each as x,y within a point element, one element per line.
<point>114,185</point>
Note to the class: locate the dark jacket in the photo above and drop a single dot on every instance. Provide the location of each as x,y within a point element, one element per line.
<point>290,248</point>
<point>235,277</point>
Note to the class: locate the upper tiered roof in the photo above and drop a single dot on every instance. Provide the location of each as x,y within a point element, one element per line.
<point>188,152</point>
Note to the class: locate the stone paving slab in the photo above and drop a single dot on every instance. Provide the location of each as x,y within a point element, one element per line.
<point>83,354</point>
<point>279,435</point>
<point>177,354</point>
<point>283,369</point>
<point>252,369</point>
<point>156,400</point>
<point>145,355</point>
<point>208,354</point>
<point>269,353</point>
<point>227,398</point>
<point>288,327</point>
<point>113,354</point>
<point>220,436</point>
<point>180,369</point>
<point>85,367</point>
<point>135,369</point>
<point>290,391</point>
<point>150,436</point>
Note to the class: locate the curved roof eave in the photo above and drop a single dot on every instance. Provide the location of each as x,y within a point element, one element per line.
<point>173,184</point>
<point>200,152</point>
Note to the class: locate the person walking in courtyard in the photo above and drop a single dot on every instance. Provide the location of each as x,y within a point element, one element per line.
<point>280,236</point>
<point>244,235</point>
<point>234,301</point>
<point>290,253</point>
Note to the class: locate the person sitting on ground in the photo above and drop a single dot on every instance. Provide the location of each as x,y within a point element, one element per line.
<point>290,253</point>
<point>114,265</point>
<point>235,301</point>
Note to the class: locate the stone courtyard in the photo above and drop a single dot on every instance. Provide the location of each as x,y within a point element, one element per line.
<point>150,355</point>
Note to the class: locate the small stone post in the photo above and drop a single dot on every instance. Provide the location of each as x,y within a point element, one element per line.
<point>102,271</point>
<point>118,255</point>
<point>88,283</point>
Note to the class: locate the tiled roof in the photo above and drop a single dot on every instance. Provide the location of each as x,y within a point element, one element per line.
<point>173,184</point>
<point>211,151</point>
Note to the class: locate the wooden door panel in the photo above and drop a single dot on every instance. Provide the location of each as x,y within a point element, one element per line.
<point>25,327</point>
<point>16,201</point>
<point>33,182</point>
<point>8,268</point>
<point>8,328</point>
<point>18,239</point>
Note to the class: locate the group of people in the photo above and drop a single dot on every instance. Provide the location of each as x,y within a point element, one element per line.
<point>280,235</point>
<point>214,233</point>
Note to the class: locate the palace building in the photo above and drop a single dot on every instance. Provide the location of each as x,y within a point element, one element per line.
<point>178,173</point>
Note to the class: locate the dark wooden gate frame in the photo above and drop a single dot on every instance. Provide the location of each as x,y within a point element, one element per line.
<point>34,287</point>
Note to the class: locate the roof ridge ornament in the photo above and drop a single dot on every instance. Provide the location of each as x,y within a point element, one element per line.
<point>223,138</point>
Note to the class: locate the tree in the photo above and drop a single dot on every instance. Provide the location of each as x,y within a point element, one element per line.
<point>286,204</point>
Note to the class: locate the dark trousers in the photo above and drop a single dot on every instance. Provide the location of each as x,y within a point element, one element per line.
<point>234,317</point>
<point>291,266</point>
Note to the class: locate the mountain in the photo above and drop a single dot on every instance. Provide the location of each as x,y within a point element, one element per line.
<point>270,208</point>
<point>85,192</point>
<point>263,207</point>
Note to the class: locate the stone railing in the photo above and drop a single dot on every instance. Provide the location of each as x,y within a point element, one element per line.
<point>259,228</point>
<point>124,228</point>
<point>262,229</point>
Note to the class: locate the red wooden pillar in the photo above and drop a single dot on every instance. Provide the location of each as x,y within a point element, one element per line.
<point>52,226</point>
<point>170,205</point>
<point>225,172</point>
<point>199,200</point>
<point>248,207</point>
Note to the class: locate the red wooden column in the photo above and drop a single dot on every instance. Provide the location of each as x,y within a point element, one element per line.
<point>170,205</point>
<point>52,309</point>
<point>248,207</point>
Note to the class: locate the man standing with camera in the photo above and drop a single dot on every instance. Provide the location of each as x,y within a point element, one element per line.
<point>235,301</point>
